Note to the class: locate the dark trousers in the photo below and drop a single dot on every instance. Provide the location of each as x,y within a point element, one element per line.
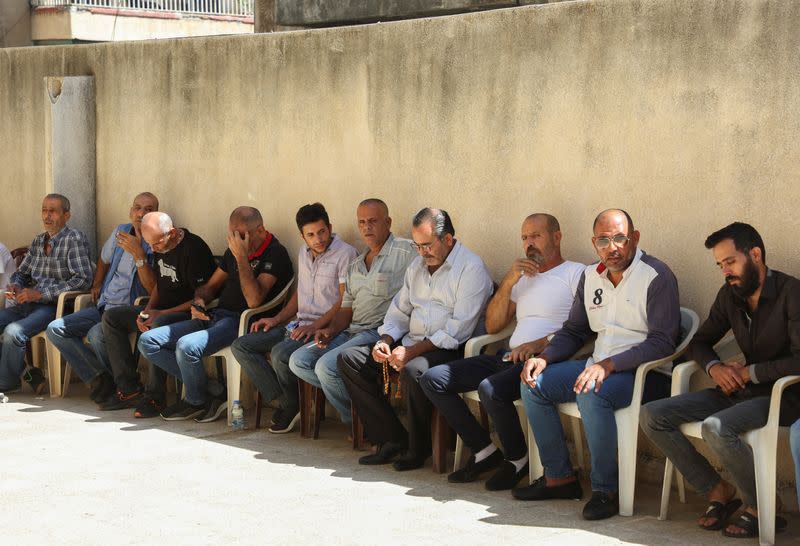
<point>497,383</point>
<point>363,379</point>
<point>118,324</point>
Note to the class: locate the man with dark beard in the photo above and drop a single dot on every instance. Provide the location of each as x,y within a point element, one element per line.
<point>538,291</point>
<point>762,307</point>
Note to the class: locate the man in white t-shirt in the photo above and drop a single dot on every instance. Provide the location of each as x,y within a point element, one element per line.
<point>7,268</point>
<point>538,290</point>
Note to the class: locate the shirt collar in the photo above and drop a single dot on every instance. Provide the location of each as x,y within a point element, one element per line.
<point>60,235</point>
<point>262,248</point>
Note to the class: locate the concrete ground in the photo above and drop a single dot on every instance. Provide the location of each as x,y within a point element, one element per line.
<point>75,475</point>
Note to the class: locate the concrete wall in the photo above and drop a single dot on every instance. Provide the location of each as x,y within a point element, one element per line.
<point>683,112</point>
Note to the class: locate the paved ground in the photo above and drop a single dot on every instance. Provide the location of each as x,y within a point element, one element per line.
<point>74,475</point>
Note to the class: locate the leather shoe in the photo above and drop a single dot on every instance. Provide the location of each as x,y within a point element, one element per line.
<point>384,455</point>
<point>409,462</point>
<point>601,506</point>
<point>506,477</point>
<point>539,490</point>
<point>473,470</point>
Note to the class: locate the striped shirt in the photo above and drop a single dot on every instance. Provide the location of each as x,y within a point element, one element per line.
<point>68,267</point>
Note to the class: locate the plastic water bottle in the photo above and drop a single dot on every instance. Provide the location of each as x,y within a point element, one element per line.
<point>237,416</point>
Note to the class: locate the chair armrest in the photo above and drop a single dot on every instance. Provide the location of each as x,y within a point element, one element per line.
<point>775,400</point>
<point>474,345</point>
<point>141,300</point>
<point>682,374</point>
<point>84,301</point>
<point>64,297</point>
<point>248,314</point>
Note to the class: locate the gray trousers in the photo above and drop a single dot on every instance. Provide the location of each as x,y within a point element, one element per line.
<point>724,419</point>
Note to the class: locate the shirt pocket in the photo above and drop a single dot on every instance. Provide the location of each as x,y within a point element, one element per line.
<point>380,285</point>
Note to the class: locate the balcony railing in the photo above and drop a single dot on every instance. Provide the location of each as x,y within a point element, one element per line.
<point>238,8</point>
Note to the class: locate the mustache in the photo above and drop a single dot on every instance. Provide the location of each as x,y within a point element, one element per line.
<point>730,278</point>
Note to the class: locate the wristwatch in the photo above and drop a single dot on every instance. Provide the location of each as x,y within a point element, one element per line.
<point>139,263</point>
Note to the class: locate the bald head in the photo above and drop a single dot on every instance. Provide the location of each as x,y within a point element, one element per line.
<point>157,223</point>
<point>614,215</point>
<point>249,216</point>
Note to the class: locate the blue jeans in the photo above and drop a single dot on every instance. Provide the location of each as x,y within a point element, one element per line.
<point>67,335</point>
<point>19,324</point>
<point>272,381</point>
<point>553,387</point>
<point>794,441</point>
<point>318,367</point>
<point>178,349</point>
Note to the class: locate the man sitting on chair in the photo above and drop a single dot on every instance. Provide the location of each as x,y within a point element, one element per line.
<point>436,311</point>
<point>630,300</point>
<point>762,308</point>
<point>57,261</point>
<point>539,289</point>
<point>254,269</point>
<point>182,262</point>
<point>322,265</point>
<point>123,274</point>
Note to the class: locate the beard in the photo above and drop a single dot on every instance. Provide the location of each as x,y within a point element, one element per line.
<point>535,255</point>
<point>748,282</point>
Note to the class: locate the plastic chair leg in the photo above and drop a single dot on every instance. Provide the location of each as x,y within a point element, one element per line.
<point>666,489</point>
<point>681,487</point>
<point>627,439</point>
<point>764,458</point>
<point>534,462</point>
<point>577,437</point>
<point>233,373</point>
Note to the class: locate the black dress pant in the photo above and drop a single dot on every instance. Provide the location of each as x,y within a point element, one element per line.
<point>363,378</point>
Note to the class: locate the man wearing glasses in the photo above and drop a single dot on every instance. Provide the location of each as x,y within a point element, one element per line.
<point>444,292</point>
<point>630,300</point>
<point>538,291</point>
<point>182,262</point>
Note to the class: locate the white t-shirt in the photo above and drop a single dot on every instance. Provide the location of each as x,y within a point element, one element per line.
<point>543,301</point>
<point>7,268</point>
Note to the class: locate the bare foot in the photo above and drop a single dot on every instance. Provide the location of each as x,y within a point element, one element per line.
<point>722,492</point>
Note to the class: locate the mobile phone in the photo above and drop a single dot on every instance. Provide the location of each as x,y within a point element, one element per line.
<point>144,316</point>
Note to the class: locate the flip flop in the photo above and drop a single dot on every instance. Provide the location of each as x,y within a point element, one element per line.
<point>749,523</point>
<point>721,512</point>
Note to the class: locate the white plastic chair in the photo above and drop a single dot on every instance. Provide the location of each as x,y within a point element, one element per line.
<point>627,419</point>
<point>233,371</point>
<point>41,345</point>
<point>763,441</point>
<point>472,348</point>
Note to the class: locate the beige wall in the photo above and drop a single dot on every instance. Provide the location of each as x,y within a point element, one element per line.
<point>684,112</point>
<point>88,25</point>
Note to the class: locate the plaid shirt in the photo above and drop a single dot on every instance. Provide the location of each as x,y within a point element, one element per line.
<point>68,266</point>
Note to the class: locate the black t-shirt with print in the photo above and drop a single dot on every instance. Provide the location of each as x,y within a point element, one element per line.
<point>274,260</point>
<point>181,270</point>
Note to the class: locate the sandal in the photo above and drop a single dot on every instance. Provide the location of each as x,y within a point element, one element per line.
<point>721,512</point>
<point>749,524</point>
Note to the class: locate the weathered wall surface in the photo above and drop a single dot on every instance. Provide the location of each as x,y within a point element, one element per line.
<point>683,112</point>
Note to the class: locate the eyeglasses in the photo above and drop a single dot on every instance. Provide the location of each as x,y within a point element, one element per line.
<point>605,242</point>
<point>424,247</point>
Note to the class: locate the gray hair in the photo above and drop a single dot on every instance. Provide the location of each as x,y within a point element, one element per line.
<point>64,201</point>
<point>164,222</point>
<point>438,219</point>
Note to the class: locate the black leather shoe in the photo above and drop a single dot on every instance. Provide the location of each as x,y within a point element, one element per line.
<point>538,490</point>
<point>473,470</point>
<point>385,454</point>
<point>506,477</point>
<point>409,462</point>
<point>601,506</point>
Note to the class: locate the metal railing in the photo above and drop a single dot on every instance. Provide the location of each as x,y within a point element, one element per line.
<point>239,8</point>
